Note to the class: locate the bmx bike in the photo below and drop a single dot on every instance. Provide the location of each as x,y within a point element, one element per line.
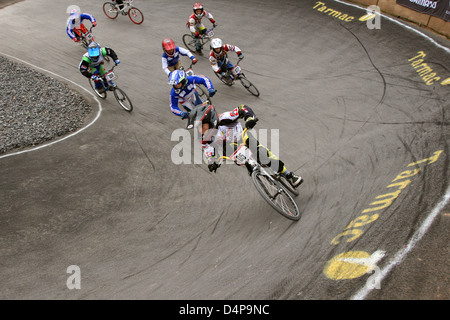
<point>108,83</point>
<point>272,186</point>
<point>191,42</point>
<point>112,10</point>
<point>235,73</point>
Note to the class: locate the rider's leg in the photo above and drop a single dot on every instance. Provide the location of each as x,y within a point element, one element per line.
<point>197,99</point>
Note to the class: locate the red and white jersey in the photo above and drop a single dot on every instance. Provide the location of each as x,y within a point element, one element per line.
<point>229,129</point>
<point>194,23</point>
<point>215,58</point>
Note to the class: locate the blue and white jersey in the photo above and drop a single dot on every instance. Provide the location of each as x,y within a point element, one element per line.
<point>171,61</point>
<point>188,92</point>
<point>78,21</point>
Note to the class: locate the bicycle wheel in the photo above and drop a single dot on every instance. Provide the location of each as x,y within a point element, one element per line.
<point>226,80</point>
<point>249,86</point>
<point>101,95</point>
<point>189,42</point>
<point>136,15</point>
<point>123,99</point>
<point>276,195</point>
<point>110,10</point>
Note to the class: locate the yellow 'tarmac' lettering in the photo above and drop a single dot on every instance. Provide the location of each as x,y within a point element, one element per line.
<point>320,6</point>
<point>430,159</point>
<point>355,232</point>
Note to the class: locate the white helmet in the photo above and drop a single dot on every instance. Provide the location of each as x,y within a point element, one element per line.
<point>216,43</point>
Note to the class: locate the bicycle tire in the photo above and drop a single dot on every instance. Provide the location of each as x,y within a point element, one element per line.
<point>110,10</point>
<point>228,83</point>
<point>283,203</point>
<point>189,42</point>
<point>249,86</point>
<point>136,15</point>
<point>123,100</point>
<point>101,95</point>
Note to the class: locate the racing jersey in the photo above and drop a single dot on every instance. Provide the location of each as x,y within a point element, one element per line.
<point>229,130</point>
<point>71,25</point>
<point>188,92</point>
<point>171,61</point>
<point>87,63</point>
<point>193,22</point>
<point>215,58</point>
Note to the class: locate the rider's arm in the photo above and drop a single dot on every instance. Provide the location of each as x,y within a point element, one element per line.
<point>185,52</point>
<point>203,80</point>
<point>213,61</point>
<point>84,67</point>
<point>229,47</point>
<point>165,65</point>
<point>174,104</point>
<point>88,16</point>
<point>110,52</point>
<point>191,23</point>
<point>69,29</point>
<point>210,17</point>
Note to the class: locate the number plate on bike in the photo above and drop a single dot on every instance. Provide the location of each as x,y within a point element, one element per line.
<point>242,155</point>
<point>110,76</point>
<point>89,36</point>
<point>210,34</point>
<point>237,69</point>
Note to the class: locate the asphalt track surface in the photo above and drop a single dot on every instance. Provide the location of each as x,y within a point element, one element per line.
<point>352,114</point>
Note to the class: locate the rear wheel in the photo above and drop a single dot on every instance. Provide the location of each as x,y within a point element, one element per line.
<point>136,15</point>
<point>276,195</point>
<point>123,99</point>
<point>110,10</point>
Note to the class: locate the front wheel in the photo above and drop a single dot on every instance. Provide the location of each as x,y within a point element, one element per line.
<point>110,10</point>
<point>276,195</point>
<point>136,15</point>
<point>123,99</point>
<point>249,86</point>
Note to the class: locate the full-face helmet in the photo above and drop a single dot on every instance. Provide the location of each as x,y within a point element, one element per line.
<point>178,80</point>
<point>168,46</point>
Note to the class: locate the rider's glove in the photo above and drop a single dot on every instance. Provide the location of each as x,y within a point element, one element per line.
<point>194,61</point>
<point>250,122</point>
<point>212,92</point>
<point>240,55</point>
<point>117,61</point>
<point>214,23</point>
<point>76,39</point>
<point>184,115</point>
<point>94,24</point>
<point>95,77</point>
<point>213,166</point>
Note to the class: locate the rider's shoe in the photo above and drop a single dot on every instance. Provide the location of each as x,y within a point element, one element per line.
<point>199,52</point>
<point>294,180</point>
<point>100,90</point>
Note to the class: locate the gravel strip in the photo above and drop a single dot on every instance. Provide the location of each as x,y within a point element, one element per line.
<point>35,108</point>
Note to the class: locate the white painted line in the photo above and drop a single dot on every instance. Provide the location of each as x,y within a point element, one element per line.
<point>401,254</point>
<point>401,24</point>
<point>68,136</point>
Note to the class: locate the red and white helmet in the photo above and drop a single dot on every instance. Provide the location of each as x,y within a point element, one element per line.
<point>168,44</point>
<point>216,43</point>
<point>198,6</point>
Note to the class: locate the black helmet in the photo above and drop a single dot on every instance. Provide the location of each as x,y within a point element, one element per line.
<point>206,113</point>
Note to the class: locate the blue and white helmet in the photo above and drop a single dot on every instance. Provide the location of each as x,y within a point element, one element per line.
<point>176,77</point>
<point>94,51</point>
